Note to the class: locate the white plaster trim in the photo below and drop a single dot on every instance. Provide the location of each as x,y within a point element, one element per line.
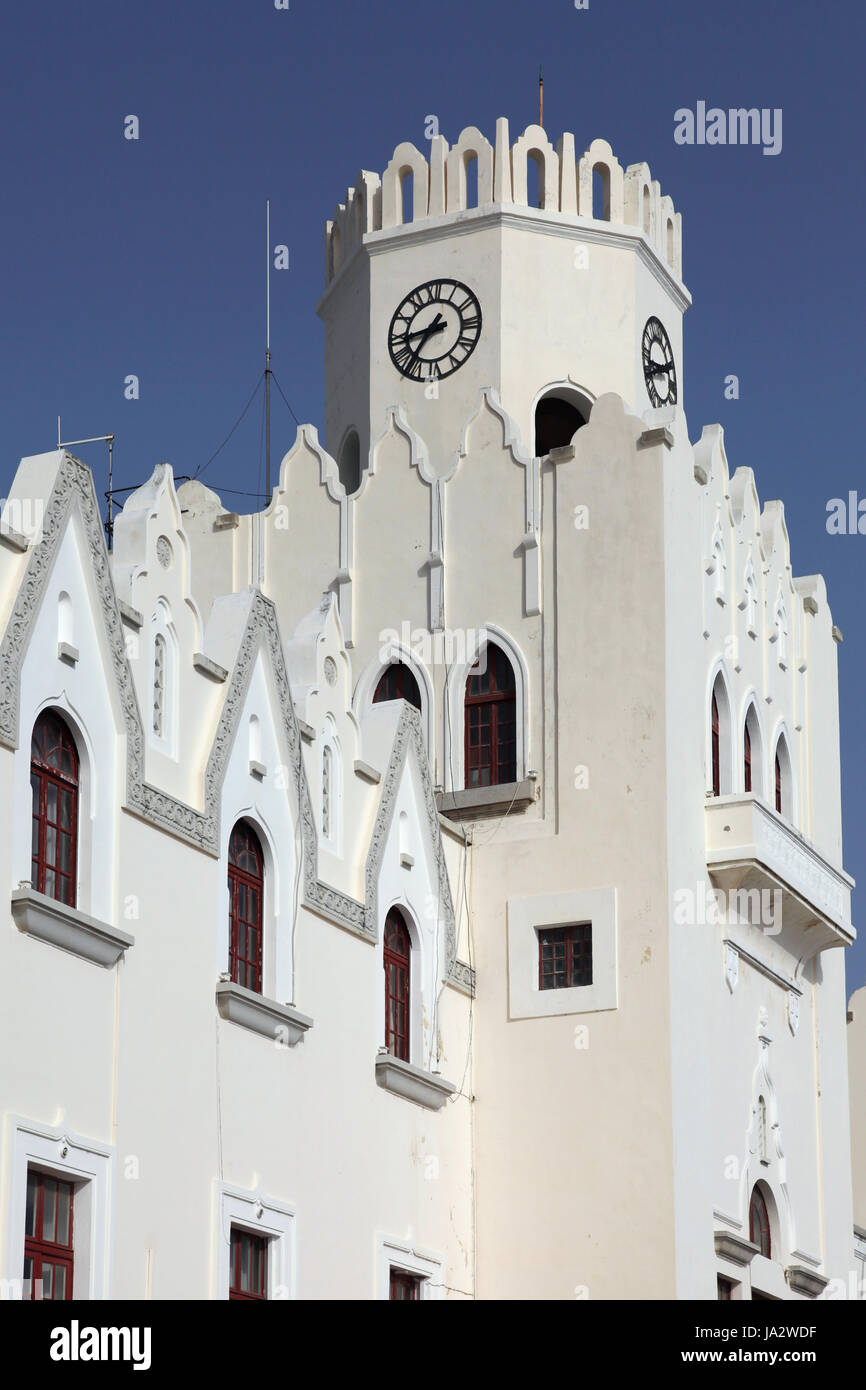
<point>414,1259</point>
<point>263,1216</point>
<point>525,917</point>
<point>90,1166</point>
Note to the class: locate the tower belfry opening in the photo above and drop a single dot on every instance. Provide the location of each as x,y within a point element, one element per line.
<point>556,423</point>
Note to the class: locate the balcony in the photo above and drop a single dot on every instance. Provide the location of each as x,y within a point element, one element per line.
<point>750,847</point>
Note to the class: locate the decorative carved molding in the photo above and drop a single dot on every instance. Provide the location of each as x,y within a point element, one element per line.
<point>409,733</point>
<point>73,488</point>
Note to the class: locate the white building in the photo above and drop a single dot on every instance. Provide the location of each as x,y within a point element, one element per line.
<point>341,966</point>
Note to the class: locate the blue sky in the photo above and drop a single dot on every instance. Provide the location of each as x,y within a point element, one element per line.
<point>146,256</point>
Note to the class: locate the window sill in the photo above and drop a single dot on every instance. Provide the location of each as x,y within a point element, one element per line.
<point>412,1083</point>
<point>485,801</point>
<point>735,1248</point>
<point>806,1281</point>
<point>53,922</point>
<point>279,1022</point>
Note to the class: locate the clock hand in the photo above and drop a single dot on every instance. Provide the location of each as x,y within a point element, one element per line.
<point>655,368</point>
<point>435,327</point>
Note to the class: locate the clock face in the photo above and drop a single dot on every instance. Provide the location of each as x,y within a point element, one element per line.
<point>434,330</point>
<point>659,371</point>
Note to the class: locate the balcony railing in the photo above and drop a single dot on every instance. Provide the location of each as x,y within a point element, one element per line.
<point>750,847</point>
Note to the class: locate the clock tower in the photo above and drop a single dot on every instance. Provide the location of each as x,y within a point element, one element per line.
<point>549,277</point>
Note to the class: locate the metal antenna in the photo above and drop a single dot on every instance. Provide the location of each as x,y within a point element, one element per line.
<point>540,97</point>
<point>98,439</point>
<point>268,353</point>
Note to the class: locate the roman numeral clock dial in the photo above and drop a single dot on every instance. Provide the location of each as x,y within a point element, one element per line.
<point>659,370</point>
<point>434,330</point>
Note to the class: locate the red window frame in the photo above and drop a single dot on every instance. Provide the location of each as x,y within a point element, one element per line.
<point>759,1223</point>
<point>48,1248</point>
<point>725,1288</point>
<point>397,682</point>
<point>248,1284</point>
<point>747,758</point>
<point>490,721</point>
<point>778,771</point>
<point>565,956</point>
<point>246,894</point>
<point>404,1287</point>
<point>717,762</point>
<point>397,956</point>
<point>54,781</point>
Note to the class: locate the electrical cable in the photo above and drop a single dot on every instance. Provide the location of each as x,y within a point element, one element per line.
<point>201,468</point>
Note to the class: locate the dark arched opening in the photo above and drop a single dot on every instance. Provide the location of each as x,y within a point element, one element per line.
<point>556,422</point>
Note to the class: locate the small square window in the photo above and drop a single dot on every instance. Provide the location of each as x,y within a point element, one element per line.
<point>565,956</point>
<point>404,1286</point>
<point>249,1265</point>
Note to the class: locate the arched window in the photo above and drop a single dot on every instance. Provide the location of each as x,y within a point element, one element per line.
<point>601,192</point>
<point>534,179</point>
<point>54,782</point>
<point>349,466</point>
<point>159,664</point>
<point>752,754</point>
<point>759,1223</point>
<point>720,739</point>
<point>716,749</point>
<point>782,778</point>
<point>246,893</point>
<point>407,195</point>
<point>397,966</point>
<point>557,420</point>
<point>397,683</point>
<point>490,721</point>
<point>471,168</point>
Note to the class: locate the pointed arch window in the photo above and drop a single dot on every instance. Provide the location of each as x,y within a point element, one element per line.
<point>783,779</point>
<point>716,750</point>
<point>246,894</point>
<point>720,733</point>
<point>759,1223</point>
<point>397,955</point>
<point>491,721</point>
<point>54,778</point>
<point>397,683</point>
<point>747,759</point>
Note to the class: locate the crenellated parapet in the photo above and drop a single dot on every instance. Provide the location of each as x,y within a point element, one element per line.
<point>439,186</point>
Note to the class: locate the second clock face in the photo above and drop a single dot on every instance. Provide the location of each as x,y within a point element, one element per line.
<point>659,369</point>
<point>434,330</point>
